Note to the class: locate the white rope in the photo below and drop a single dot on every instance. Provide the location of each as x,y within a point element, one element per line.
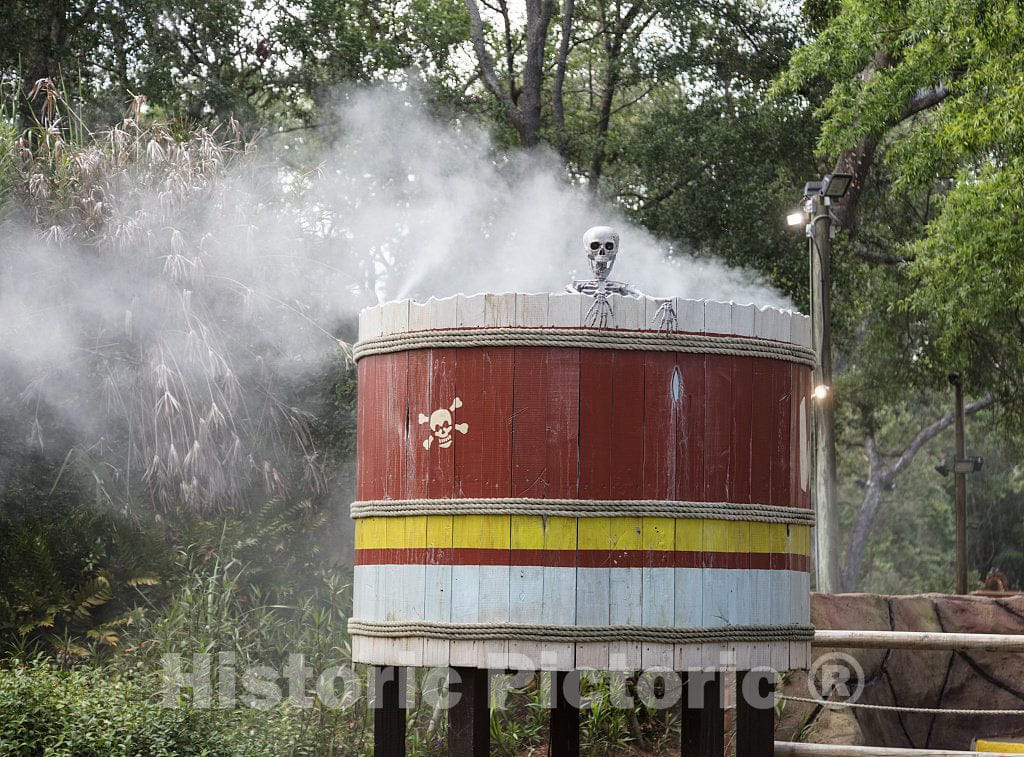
<point>584,508</point>
<point>894,708</point>
<point>609,339</point>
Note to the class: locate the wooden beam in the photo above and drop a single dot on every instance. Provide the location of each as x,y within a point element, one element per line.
<point>919,640</point>
<point>703,719</point>
<point>389,712</point>
<point>792,749</point>
<point>469,719</point>
<point>755,714</point>
<point>565,717</point>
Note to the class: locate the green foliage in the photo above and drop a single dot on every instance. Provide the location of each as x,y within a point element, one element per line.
<point>94,712</point>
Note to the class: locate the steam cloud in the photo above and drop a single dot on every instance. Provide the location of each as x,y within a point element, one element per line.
<point>162,346</point>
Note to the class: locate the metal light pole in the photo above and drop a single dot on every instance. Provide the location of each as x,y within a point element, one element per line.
<point>820,229</point>
<point>819,233</point>
<point>960,479</point>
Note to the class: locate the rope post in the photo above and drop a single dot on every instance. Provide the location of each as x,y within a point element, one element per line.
<point>469,719</point>
<point>565,716</point>
<point>755,714</point>
<point>389,711</point>
<point>703,718</point>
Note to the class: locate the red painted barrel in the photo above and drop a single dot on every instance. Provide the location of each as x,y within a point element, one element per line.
<point>531,492</point>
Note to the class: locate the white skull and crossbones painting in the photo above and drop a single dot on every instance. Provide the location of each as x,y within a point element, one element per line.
<point>443,426</point>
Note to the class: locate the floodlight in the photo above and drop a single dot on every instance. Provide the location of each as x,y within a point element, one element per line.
<point>796,218</point>
<point>820,392</point>
<point>835,185</point>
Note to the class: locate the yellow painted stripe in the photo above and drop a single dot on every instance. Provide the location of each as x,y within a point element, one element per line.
<point>556,532</point>
<point>984,745</point>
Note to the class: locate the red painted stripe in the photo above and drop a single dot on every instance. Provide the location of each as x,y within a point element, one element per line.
<point>584,558</point>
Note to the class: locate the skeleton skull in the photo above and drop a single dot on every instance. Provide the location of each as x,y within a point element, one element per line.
<point>602,245</point>
<point>441,425</point>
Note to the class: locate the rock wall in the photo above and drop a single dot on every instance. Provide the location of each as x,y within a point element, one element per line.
<point>964,679</point>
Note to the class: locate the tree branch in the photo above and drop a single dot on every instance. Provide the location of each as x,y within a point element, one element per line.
<point>476,33</point>
<point>928,433</point>
<point>557,103</point>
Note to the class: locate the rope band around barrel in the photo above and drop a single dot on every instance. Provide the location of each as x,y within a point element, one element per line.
<point>608,339</point>
<point>584,508</point>
<point>577,634</point>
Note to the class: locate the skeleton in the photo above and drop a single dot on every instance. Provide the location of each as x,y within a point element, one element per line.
<point>442,424</point>
<point>602,245</point>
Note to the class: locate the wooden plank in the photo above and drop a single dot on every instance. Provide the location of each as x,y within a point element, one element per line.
<point>719,593</point>
<point>493,603</point>
<point>559,605</point>
<point>526,589</point>
<point>782,394</point>
<point>627,435</point>
<point>531,310</point>
<point>562,423</point>
<point>364,375</point>
<point>630,312</point>
<point>499,310</point>
<point>593,587</point>
<point>595,423</point>
<point>690,443</point>
<point>470,310</point>
<point>469,718</point>
<point>718,429</point>
<point>658,600</point>
<point>781,592</point>
<point>437,606</point>
<point>565,309</point>
<point>743,317</point>
<point>689,315</point>
<point>484,381</point>
<point>396,385</point>
<point>444,312</point>
<point>467,532</point>
<point>742,425</point>
<point>662,424</point>
<point>529,422</point>
<point>407,583</point>
<point>688,610</point>
<point>718,317</point>
<point>441,460</point>
<point>761,431</point>
<point>394,317</point>
<point>625,589</point>
<point>369,323</point>
<point>419,316</point>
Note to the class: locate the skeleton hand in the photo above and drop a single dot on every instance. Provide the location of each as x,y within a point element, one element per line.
<point>600,310</point>
<point>665,316</point>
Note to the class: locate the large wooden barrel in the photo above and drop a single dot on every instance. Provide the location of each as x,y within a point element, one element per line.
<point>533,494</point>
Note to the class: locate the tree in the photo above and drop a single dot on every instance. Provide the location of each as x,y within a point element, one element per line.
<point>920,109</point>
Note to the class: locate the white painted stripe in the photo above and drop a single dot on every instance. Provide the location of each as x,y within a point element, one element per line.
<point>671,597</point>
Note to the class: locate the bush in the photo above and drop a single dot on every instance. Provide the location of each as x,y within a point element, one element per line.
<point>94,711</point>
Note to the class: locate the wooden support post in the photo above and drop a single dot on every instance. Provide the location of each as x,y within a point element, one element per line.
<point>389,712</point>
<point>565,717</point>
<point>469,719</point>
<point>755,714</point>
<point>703,720</point>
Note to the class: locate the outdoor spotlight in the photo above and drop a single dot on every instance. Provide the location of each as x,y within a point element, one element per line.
<point>796,218</point>
<point>820,392</point>
<point>812,188</point>
<point>942,470</point>
<point>968,465</point>
<point>835,185</point>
